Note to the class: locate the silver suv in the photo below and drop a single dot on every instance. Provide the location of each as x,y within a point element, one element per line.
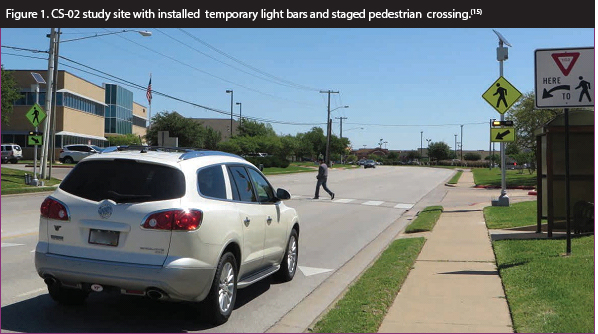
<point>180,226</point>
<point>74,153</point>
<point>11,153</point>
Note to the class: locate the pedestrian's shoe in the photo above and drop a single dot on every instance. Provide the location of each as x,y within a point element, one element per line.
<point>332,196</point>
<point>316,198</point>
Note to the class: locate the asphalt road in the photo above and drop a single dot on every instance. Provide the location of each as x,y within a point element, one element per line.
<point>334,234</point>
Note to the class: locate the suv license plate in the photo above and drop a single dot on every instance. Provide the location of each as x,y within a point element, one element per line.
<point>103,237</point>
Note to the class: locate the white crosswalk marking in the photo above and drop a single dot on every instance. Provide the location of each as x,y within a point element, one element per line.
<point>374,203</point>
<point>6,244</point>
<point>403,206</point>
<point>343,200</point>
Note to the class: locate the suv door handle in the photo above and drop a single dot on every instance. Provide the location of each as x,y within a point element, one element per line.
<point>247,221</point>
<point>269,220</point>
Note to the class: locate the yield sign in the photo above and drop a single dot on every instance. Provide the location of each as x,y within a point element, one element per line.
<point>565,61</point>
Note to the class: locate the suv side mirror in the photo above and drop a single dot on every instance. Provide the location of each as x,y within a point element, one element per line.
<point>282,194</point>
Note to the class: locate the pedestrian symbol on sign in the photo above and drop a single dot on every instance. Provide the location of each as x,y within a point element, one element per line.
<point>501,95</point>
<point>585,89</point>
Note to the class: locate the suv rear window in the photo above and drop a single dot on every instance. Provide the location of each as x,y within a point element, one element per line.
<point>124,181</point>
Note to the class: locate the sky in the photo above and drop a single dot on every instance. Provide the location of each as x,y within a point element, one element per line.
<point>403,86</point>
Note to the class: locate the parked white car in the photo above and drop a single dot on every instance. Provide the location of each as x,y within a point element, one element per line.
<point>180,226</point>
<point>74,153</point>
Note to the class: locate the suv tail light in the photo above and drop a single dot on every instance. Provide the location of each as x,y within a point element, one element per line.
<point>54,209</point>
<point>175,220</point>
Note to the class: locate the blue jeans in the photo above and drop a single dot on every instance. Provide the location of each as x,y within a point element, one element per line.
<point>322,182</point>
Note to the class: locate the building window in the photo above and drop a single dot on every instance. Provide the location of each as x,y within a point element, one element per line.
<point>119,110</point>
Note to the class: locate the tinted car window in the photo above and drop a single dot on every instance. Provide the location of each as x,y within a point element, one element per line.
<point>124,181</point>
<point>242,189</point>
<point>210,181</point>
<point>264,191</point>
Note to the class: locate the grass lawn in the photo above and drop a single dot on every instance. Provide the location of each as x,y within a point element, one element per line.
<point>515,215</point>
<point>546,291</point>
<point>456,177</point>
<point>365,304</point>
<point>487,177</point>
<point>426,220</point>
<point>13,182</point>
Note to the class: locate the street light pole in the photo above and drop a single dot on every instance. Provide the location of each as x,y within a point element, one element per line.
<point>231,111</point>
<point>455,146</point>
<point>240,115</point>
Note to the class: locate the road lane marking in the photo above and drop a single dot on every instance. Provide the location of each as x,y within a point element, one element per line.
<point>343,200</point>
<point>31,292</point>
<point>373,203</point>
<point>308,271</point>
<point>6,244</point>
<point>406,206</point>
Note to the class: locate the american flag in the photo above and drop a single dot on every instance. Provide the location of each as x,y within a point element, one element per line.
<point>148,94</point>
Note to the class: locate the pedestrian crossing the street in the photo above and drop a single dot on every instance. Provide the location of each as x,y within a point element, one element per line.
<point>395,205</point>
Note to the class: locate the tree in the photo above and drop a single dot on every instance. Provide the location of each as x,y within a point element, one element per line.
<point>472,156</point>
<point>10,93</point>
<point>439,151</point>
<point>128,139</point>
<point>189,132</point>
<point>528,119</point>
<point>250,128</point>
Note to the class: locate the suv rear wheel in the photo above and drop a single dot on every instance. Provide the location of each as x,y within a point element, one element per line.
<point>288,267</point>
<point>68,160</point>
<point>223,293</point>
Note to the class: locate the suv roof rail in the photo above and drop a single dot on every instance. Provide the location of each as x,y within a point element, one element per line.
<point>188,152</point>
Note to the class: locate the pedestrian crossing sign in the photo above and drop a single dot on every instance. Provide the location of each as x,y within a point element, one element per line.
<point>501,95</point>
<point>35,115</point>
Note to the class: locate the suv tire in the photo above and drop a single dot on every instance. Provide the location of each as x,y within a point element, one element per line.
<point>288,266</point>
<point>222,296</point>
<point>68,160</point>
<point>14,161</point>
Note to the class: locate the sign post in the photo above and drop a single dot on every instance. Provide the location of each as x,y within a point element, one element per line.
<point>35,115</point>
<point>562,82</point>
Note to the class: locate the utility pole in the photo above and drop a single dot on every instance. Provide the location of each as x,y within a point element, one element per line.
<point>341,118</point>
<point>49,85</point>
<point>328,124</point>
<point>461,142</point>
<point>421,144</point>
<point>455,145</point>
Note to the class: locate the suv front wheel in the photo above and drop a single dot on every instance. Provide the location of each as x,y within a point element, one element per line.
<point>288,267</point>
<point>223,293</point>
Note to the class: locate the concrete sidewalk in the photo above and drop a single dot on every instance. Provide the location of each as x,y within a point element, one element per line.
<point>454,286</point>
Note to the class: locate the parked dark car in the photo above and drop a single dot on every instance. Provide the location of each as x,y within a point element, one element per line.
<point>369,164</point>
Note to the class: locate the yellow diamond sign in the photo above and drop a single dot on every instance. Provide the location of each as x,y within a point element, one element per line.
<point>35,115</point>
<point>501,95</point>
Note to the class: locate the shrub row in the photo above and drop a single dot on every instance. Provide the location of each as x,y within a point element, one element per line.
<point>269,161</point>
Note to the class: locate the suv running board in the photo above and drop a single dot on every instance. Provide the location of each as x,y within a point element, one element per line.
<point>247,281</point>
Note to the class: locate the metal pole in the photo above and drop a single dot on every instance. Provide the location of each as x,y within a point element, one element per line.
<point>328,125</point>
<point>503,193</point>
<point>455,146</point>
<point>461,142</point>
<point>567,183</point>
<point>34,181</point>
<point>44,157</point>
<point>231,113</point>
<point>52,138</point>
<point>491,157</point>
<point>421,144</point>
